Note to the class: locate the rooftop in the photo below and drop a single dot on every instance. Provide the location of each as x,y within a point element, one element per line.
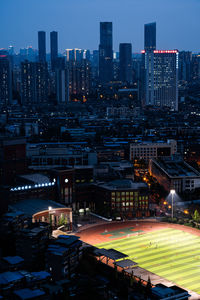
<point>121,184</point>
<point>28,293</point>
<point>13,260</point>
<point>177,168</point>
<point>36,178</point>
<point>33,206</point>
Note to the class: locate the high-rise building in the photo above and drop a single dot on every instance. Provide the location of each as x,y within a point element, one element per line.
<point>62,85</point>
<point>42,46</point>
<point>34,83</point>
<point>185,66</point>
<point>106,52</point>
<point>150,36</point>
<point>161,78</point>
<point>54,49</point>
<point>75,54</point>
<point>5,79</point>
<point>125,62</point>
<point>79,78</point>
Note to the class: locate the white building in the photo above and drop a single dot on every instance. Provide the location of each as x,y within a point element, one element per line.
<point>148,150</point>
<point>161,78</point>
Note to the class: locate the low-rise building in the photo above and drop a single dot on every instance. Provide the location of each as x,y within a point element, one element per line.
<point>149,150</point>
<point>122,197</point>
<point>175,174</point>
<point>63,255</point>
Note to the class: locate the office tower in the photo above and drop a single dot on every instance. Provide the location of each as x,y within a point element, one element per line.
<point>5,79</point>
<point>185,66</point>
<point>161,78</point>
<point>54,49</point>
<point>150,37</point>
<point>125,62</point>
<point>105,52</point>
<point>42,46</point>
<point>34,83</point>
<point>11,50</point>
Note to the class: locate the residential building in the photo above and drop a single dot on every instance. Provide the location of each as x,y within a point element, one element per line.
<point>5,80</point>
<point>62,256</point>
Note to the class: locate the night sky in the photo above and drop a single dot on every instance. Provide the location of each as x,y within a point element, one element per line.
<point>77,21</point>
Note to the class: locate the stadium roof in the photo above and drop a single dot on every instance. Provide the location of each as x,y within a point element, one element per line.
<point>110,253</point>
<point>126,263</point>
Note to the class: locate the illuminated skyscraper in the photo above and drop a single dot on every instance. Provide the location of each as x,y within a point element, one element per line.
<point>161,78</point>
<point>42,46</point>
<point>125,62</point>
<point>54,49</point>
<point>150,37</point>
<point>106,52</point>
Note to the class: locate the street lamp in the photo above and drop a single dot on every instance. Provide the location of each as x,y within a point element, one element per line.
<point>172,192</point>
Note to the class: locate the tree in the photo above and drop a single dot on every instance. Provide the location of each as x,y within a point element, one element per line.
<point>196,216</point>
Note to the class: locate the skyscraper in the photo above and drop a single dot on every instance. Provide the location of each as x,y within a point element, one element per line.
<point>42,46</point>
<point>150,36</point>
<point>125,62</point>
<point>106,52</point>
<point>5,79</point>
<point>161,78</point>
<point>34,83</point>
<point>54,49</point>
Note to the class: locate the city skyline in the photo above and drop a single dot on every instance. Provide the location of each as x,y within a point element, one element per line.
<point>128,23</point>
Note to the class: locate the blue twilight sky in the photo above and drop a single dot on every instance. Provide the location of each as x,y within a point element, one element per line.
<point>77,21</point>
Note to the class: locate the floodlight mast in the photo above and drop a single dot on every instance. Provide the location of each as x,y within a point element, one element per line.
<point>172,192</point>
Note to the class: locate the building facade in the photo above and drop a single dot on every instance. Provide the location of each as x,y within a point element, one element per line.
<point>5,80</point>
<point>34,88</point>
<point>151,150</point>
<point>161,79</point>
<point>123,198</point>
<point>106,52</point>
<point>175,174</point>
<point>150,37</point>
<point>54,49</point>
<point>42,46</point>
<point>125,62</point>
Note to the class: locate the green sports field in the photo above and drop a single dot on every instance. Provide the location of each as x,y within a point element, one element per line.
<point>170,253</point>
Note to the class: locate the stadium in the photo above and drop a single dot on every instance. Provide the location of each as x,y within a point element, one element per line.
<point>167,253</point>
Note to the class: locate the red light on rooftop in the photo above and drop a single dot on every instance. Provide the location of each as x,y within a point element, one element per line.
<point>143,51</point>
<point>165,51</point>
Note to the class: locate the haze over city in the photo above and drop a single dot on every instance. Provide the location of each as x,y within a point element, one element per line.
<point>77,22</point>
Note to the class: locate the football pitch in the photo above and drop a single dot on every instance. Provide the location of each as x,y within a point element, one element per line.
<point>169,253</point>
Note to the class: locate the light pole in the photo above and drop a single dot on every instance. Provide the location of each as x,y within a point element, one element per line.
<point>172,192</point>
